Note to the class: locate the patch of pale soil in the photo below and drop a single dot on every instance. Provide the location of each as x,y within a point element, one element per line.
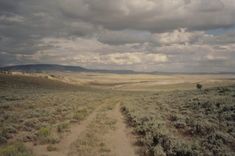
<point>64,145</point>
<point>120,141</point>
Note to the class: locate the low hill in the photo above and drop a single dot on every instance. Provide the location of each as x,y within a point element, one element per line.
<point>42,67</point>
<point>58,68</point>
<point>65,68</point>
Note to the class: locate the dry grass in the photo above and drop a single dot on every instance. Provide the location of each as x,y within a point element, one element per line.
<point>92,141</point>
<point>143,82</point>
<point>169,114</point>
<point>39,110</point>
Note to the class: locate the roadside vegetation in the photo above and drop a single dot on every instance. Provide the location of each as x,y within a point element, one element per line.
<point>193,122</point>
<point>15,149</point>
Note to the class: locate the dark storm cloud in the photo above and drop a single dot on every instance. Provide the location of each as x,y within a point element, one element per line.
<point>156,16</point>
<point>136,34</point>
<point>9,6</point>
<point>23,23</point>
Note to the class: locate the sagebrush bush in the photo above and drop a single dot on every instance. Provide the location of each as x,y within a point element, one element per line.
<point>184,123</point>
<point>44,135</point>
<point>158,151</point>
<point>62,127</point>
<point>80,114</point>
<point>44,132</point>
<point>51,148</point>
<point>15,149</point>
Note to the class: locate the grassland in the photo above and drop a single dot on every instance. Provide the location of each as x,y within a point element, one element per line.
<point>85,114</point>
<point>144,82</point>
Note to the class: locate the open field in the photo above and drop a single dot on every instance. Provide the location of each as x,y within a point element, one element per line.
<point>58,114</point>
<point>138,82</point>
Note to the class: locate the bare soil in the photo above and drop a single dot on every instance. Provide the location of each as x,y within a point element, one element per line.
<point>121,140</point>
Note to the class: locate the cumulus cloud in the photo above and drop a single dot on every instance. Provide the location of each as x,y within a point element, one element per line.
<point>164,35</point>
<point>121,58</point>
<point>178,36</point>
<point>135,58</point>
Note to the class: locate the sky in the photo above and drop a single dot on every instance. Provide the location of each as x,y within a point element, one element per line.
<point>140,35</point>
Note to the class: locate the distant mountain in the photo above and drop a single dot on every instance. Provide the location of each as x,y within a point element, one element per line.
<point>42,67</point>
<point>58,68</point>
<point>190,73</point>
<point>64,68</point>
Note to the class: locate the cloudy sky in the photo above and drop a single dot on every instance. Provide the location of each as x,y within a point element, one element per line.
<point>141,35</point>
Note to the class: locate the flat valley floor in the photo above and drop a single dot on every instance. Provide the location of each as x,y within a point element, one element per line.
<point>94,114</point>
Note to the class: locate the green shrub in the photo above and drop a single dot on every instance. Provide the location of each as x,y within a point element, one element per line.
<point>179,124</point>
<point>80,114</point>
<point>3,135</point>
<point>31,124</point>
<point>6,133</point>
<point>174,118</point>
<point>44,132</point>
<point>51,148</point>
<point>62,127</point>
<point>199,86</point>
<point>201,128</point>
<point>44,136</point>
<point>158,151</point>
<point>3,140</point>
<point>184,150</point>
<point>15,149</point>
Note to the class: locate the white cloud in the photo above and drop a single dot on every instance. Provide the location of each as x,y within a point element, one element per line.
<point>135,58</point>
<point>87,51</point>
<point>12,18</point>
<point>215,57</point>
<point>179,36</point>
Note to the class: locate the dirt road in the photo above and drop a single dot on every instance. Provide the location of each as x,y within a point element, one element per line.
<point>120,140</point>
<point>103,132</point>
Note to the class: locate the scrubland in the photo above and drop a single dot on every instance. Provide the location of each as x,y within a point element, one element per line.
<point>39,110</point>
<point>197,122</point>
<point>84,114</point>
